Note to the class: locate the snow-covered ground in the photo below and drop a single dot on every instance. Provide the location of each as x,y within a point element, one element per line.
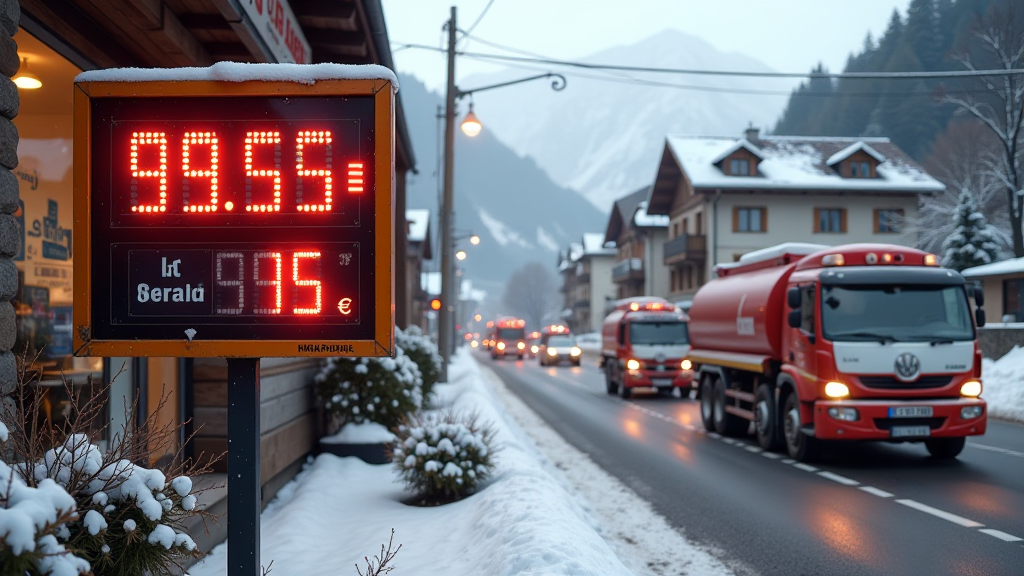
<point>1004,385</point>
<point>531,518</point>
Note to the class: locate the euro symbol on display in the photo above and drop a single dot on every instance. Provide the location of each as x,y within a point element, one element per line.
<point>344,306</point>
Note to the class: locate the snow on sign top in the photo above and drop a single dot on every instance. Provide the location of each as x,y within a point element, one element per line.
<point>245,72</point>
<point>419,219</point>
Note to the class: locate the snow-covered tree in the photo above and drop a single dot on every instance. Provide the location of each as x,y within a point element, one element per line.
<point>973,241</point>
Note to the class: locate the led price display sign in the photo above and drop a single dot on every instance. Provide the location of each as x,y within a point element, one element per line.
<point>234,218</point>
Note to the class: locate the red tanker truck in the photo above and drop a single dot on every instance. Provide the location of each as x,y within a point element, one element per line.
<point>858,342</point>
<point>643,345</point>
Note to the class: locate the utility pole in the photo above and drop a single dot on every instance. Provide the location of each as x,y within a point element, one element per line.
<point>446,327</point>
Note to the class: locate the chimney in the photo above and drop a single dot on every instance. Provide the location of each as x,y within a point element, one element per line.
<point>752,134</point>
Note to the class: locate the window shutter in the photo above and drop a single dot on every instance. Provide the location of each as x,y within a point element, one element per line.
<point>764,219</point>
<point>842,225</point>
<point>735,218</point>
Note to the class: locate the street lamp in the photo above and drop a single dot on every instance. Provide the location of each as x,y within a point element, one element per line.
<point>471,126</point>
<point>461,254</point>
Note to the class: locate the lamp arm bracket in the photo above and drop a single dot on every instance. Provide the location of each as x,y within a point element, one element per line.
<point>557,84</point>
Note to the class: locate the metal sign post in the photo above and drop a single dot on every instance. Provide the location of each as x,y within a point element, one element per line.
<point>239,219</point>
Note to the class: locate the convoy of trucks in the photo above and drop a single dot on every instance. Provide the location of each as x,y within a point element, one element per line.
<point>813,343</point>
<point>644,344</point>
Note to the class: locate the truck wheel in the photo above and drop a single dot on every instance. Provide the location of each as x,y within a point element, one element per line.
<point>945,448</point>
<point>624,391</point>
<point>765,419</point>
<point>707,403</point>
<point>725,423</point>
<point>800,446</point>
<point>609,381</point>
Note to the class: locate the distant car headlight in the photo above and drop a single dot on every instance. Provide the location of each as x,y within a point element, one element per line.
<point>534,349</point>
<point>501,345</point>
<point>521,345</point>
<point>474,344</point>
<point>575,351</point>
<point>972,389</point>
<point>686,364</point>
<point>552,351</point>
<point>632,364</point>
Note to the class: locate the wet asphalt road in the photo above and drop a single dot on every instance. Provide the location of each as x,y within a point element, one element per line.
<point>863,508</point>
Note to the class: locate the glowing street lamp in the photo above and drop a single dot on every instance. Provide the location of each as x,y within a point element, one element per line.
<point>461,254</point>
<point>474,239</point>
<point>471,124</point>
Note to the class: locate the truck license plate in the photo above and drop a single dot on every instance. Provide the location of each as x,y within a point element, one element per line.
<point>910,412</point>
<point>909,431</point>
<point>661,381</point>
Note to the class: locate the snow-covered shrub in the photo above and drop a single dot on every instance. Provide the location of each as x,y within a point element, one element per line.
<point>973,242</point>
<point>66,508</point>
<point>443,457</point>
<point>381,390</point>
<point>423,352</point>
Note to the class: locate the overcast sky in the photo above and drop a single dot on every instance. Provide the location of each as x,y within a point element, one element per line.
<point>787,35</point>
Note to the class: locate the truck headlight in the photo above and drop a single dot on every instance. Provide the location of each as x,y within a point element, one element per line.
<point>501,345</point>
<point>843,413</point>
<point>575,351</point>
<point>971,389</point>
<point>686,364</point>
<point>552,351</point>
<point>632,364</point>
<point>969,412</point>
<point>836,390</point>
<point>534,348</point>
<point>521,345</point>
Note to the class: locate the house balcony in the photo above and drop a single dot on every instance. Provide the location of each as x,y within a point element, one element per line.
<point>583,278</point>
<point>685,247</point>
<point>631,269</point>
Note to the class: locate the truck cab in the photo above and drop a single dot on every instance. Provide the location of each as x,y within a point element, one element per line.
<point>509,338</point>
<point>644,344</point>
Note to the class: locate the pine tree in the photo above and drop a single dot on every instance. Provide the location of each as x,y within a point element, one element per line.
<point>973,241</point>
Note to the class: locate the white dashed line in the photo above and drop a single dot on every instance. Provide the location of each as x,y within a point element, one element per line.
<point>996,450</point>
<point>837,478</point>
<point>771,455</point>
<point>805,467</point>
<point>788,461</point>
<point>941,514</point>
<point>877,492</point>
<point>754,449</point>
<point>714,435</point>
<point>1001,535</point>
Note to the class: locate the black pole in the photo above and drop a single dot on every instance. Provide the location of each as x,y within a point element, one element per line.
<point>244,467</point>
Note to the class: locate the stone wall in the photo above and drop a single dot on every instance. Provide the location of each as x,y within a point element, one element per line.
<point>10,14</point>
<point>995,341</point>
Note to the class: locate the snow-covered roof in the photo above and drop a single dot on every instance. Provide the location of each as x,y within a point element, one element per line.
<point>593,244</point>
<point>575,251</point>
<point>858,146</point>
<point>419,219</point>
<point>741,143</point>
<point>799,163</point>
<point>1011,266</point>
<point>777,251</point>
<point>244,72</point>
<point>430,282</point>
<point>642,218</point>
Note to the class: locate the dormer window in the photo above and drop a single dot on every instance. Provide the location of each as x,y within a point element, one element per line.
<point>739,167</point>
<point>860,169</point>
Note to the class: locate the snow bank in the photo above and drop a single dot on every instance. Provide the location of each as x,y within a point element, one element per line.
<point>363,433</point>
<point>523,522</point>
<point>1004,385</point>
<point>243,72</point>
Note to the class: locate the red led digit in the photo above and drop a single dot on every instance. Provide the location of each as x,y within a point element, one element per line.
<point>237,259</point>
<point>355,177</point>
<point>190,140</point>
<point>276,282</point>
<point>140,139</point>
<point>253,139</point>
<point>307,283</point>
<point>305,140</point>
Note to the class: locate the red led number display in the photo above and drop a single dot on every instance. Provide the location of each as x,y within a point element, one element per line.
<point>283,172</point>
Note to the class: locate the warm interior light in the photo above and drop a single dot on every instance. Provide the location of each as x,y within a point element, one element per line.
<point>470,124</point>
<point>972,389</point>
<point>25,79</point>
<point>836,390</point>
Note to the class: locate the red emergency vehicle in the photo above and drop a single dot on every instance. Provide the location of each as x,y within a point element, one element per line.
<point>562,349</point>
<point>644,344</point>
<point>855,342</point>
<point>508,338</point>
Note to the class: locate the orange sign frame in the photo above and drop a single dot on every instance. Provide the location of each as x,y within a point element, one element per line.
<point>384,196</point>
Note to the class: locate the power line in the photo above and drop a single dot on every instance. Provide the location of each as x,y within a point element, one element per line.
<point>478,19</point>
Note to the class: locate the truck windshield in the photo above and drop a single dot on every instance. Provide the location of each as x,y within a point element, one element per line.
<point>511,334</point>
<point>658,333</point>
<point>895,314</point>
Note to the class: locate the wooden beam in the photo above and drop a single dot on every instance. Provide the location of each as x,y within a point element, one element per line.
<point>81,32</point>
<point>323,9</point>
<point>204,21</point>
<point>326,38</point>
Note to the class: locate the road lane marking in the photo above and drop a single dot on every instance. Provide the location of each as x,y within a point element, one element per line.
<point>754,449</point>
<point>805,467</point>
<point>940,513</point>
<point>788,461</point>
<point>877,492</point>
<point>997,450</point>
<point>771,455</point>
<point>714,435</point>
<point>1001,535</point>
<point>837,478</point>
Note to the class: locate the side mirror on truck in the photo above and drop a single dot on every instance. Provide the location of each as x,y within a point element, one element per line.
<point>795,318</point>
<point>979,296</point>
<point>979,317</point>
<point>793,299</point>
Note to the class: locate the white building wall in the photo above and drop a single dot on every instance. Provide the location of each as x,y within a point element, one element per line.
<point>656,274</point>
<point>791,219</point>
<point>602,289</point>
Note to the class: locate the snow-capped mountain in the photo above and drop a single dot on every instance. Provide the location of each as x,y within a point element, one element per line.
<point>520,214</point>
<point>604,138</point>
